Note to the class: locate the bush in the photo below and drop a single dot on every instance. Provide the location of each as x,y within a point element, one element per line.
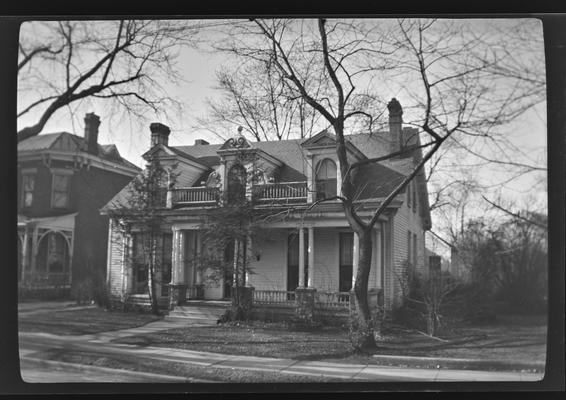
<point>457,303</point>
<point>91,289</point>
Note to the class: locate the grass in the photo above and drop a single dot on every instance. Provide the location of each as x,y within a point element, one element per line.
<point>204,373</point>
<point>513,340</point>
<point>81,322</point>
<point>253,338</point>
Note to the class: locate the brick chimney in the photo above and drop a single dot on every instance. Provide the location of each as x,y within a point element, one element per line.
<point>92,122</point>
<point>201,142</point>
<point>159,134</point>
<point>395,124</point>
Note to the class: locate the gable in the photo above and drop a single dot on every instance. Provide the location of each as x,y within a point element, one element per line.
<point>321,139</point>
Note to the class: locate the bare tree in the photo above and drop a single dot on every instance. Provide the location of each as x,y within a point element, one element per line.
<point>449,91</point>
<point>255,97</point>
<point>123,62</point>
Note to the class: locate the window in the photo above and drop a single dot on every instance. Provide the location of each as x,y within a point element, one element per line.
<point>326,179</point>
<point>414,186</point>
<point>28,184</point>
<point>61,188</point>
<point>415,248</point>
<point>53,254</point>
<point>139,264</point>
<point>346,261</point>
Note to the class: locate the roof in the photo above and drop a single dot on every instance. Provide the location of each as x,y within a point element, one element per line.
<point>65,141</point>
<point>291,154</point>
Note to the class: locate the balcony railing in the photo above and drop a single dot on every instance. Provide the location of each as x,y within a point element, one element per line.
<point>195,195</point>
<point>281,191</point>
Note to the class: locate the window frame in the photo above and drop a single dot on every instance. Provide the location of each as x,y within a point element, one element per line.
<point>26,174</point>
<point>68,176</point>
<point>322,185</point>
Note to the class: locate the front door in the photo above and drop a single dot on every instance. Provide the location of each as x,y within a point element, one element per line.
<point>293,261</point>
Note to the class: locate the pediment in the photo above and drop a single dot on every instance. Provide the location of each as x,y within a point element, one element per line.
<point>236,143</point>
<point>321,139</point>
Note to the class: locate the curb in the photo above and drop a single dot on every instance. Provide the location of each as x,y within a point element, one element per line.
<point>461,363</point>
<point>115,371</point>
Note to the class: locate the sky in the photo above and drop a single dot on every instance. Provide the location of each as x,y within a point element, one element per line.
<point>198,67</point>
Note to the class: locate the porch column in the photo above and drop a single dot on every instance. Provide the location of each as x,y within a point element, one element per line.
<point>301,257</point>
<point>356,252</point>
<point>178,270</point>
<point>310,181</point>
<point>311,257</point>
<point>34,250</point>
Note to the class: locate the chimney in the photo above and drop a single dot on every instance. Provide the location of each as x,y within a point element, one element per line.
<point>159,134</point>
<point>395,124</point>
<point>201,142</point>
<point>92,122</point>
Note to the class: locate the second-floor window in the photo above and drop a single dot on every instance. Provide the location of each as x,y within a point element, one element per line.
<point>236,183</point>
<point>61,189</point>
<point>326,179</point>
<point>28,184</point>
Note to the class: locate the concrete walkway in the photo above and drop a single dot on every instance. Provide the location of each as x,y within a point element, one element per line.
<point>102,343</point>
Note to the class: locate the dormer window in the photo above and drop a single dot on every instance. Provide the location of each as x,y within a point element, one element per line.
<point>236,183</point>
<point>326,179</point>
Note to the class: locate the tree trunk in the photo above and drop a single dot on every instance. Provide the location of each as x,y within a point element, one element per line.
<point>362,326</point>
<point>153,290</point>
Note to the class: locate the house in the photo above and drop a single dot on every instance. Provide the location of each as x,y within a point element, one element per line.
<point>310,243</point>
<point>63,181</point>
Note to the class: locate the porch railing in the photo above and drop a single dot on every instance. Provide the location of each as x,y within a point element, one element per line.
<point>191,293</point>
<point>274,297</point>
<point>281,191</point>
<point>332,300</point>
<point>195,195</point>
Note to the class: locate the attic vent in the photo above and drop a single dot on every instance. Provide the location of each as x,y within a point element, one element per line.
<point>201,142</point>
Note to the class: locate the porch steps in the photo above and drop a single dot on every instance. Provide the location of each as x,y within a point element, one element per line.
<point>198,312</point>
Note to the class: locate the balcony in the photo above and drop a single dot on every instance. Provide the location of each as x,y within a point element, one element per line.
<point>270,193</point>
<point>282,192</point>
<point>195,196</point>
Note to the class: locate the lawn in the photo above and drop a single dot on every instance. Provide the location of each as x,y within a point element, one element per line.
<point>509,339</point>
<point>81,322</point>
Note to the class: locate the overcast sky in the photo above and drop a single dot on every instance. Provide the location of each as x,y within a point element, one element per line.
<point>198,69</point>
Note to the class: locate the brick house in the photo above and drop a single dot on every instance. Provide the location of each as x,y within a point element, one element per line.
<point>63,181</point>
<point>312,246</point>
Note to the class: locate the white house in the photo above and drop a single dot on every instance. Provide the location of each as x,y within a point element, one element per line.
<point>311,246</point>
